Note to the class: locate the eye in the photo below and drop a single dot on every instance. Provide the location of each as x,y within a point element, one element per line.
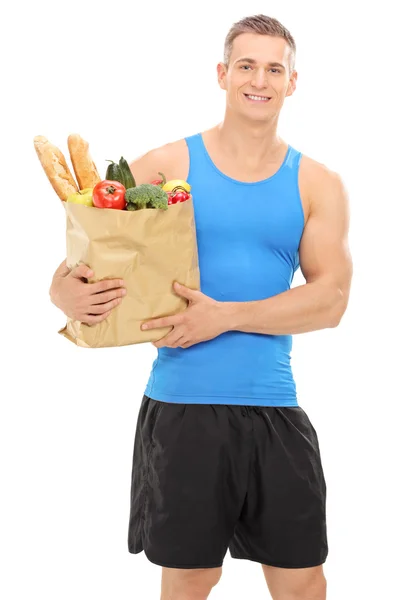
<point>245,67</point>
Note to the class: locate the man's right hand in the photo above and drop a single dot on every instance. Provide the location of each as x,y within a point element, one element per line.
<point>89,303</point>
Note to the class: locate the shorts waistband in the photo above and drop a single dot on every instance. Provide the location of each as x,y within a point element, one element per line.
<point>246,410</point>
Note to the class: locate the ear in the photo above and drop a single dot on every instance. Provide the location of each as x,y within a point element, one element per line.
<point>221,72</point>
<point>292,84</point>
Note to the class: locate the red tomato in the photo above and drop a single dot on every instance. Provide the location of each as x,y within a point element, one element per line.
<point>109,194</point>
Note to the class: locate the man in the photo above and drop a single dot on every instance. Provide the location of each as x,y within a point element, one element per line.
<point>224,456</point>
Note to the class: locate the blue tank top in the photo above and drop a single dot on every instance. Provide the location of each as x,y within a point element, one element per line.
<point>248,237</point>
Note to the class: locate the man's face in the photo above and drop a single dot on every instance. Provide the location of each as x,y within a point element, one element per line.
<point>258,68</point>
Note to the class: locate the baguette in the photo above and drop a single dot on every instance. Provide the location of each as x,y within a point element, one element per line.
<point>56,168</point>
<point>84,167</point>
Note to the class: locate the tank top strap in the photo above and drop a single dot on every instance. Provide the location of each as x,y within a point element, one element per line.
<point>293,158</point>
<point>197,154</point>
<point>194,142</point>
<point>289,170</point>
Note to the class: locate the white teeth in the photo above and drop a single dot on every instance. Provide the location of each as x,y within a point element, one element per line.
<point>258,97</point>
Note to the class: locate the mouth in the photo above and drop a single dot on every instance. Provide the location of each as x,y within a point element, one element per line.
<point>259,99</point>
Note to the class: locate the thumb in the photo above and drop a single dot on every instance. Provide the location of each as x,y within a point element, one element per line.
<point>82,271</point>
<point>185,292</point>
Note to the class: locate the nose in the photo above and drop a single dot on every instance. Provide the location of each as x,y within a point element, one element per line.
<point>259,80</point>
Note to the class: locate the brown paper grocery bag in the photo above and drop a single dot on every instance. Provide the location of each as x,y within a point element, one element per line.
<point>149,249</point>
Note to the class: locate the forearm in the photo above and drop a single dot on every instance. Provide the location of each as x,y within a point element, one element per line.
<point>305,308</point>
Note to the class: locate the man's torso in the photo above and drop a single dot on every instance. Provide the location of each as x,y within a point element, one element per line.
<point>248,235</point>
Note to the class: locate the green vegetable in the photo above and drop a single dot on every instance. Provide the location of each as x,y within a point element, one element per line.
<point>126,173</point>
<point>146,195</point>
<point>114,173</point>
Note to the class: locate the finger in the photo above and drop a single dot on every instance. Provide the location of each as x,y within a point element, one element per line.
<point>106,284</point>
<point>82,271</point>
<point>103,297</point>
<point>186,292</point>
<point>94,319</point>
<point>99,309</point>
<point>178,342</point>
<point>175,338</point>
<point>162,322</point>
<point>172,340</point>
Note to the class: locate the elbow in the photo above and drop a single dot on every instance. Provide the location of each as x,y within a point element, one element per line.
<point>335,321</point>
<point>338,308</point>
<point>51,293</point>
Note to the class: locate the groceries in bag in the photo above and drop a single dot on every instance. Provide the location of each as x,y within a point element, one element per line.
<point>143,234</point>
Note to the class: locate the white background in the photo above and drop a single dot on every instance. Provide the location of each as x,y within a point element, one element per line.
<point>130,78</point>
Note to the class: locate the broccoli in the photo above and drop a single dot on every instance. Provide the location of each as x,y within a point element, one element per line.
<point>146,195</point>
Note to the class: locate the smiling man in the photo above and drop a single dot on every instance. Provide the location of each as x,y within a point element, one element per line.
<point>224,456</point>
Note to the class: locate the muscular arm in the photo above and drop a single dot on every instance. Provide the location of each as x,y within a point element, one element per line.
<point>325,262</point>
<point>146,168</point>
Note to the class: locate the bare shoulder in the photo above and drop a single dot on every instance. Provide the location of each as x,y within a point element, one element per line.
<point>172,159</point>
<point>320,186</point>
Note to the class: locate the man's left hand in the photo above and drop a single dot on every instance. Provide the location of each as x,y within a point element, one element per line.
<point>202,320</point>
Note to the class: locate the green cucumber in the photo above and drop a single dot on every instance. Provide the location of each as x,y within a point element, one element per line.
<point>129,180</point>
<point>114,173</point>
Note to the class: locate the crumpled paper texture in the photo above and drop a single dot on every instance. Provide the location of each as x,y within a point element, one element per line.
<point>149,249</point>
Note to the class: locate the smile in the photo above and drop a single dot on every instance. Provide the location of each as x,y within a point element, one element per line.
<point>253,98</point>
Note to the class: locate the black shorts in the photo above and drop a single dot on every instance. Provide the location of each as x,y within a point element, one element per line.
<point>209,477</point>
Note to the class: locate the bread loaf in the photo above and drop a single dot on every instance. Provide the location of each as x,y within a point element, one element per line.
<point>56,168</point>
<point>84,167</point>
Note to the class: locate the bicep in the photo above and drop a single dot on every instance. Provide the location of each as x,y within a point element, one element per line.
<point>324,250</point>
<point>146,167</point>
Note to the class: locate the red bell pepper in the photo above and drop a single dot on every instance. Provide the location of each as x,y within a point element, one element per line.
<point>176,197</point>
<point>159,182</point>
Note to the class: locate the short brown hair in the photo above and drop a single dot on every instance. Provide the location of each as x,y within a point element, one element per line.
<point>264,26</point>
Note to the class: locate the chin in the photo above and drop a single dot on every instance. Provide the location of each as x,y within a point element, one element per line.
<point>261,117</point>
<point>247,113</point>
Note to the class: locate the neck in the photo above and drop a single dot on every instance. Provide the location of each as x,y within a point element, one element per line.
<point>250,142</point>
